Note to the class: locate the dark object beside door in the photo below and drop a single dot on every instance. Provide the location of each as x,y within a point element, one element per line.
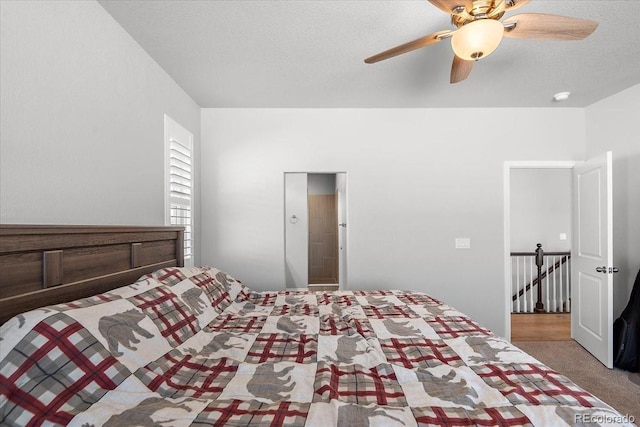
<point>626,333</point>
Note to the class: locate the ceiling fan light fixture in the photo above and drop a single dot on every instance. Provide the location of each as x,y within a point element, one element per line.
<point>477,39</point>
<point>561,96</point>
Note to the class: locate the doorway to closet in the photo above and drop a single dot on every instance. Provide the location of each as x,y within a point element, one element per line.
<point>315,230</point>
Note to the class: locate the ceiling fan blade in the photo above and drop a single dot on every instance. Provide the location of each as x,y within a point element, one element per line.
<point>544,26</point>
<point>516,4</point>
<point>449,5</point>
<point>407,47</point>
<point>460,69</point>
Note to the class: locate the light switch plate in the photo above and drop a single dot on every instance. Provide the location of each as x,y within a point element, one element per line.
<point>463,243</point>
<point>563,236</point>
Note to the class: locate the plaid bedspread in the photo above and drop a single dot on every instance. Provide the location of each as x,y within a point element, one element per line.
<point>193,346</point>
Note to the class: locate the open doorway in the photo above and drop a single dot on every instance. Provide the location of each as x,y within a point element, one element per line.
<point>538,211</point>
<point>322,202</point>
<point>540,208</point>
<point>592,264</point>
<point>315,230</point>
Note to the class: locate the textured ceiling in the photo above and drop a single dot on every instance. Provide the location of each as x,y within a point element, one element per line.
<point>310,54</point>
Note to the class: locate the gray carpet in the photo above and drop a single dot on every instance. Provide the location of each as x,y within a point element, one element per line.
<point>618,388</point>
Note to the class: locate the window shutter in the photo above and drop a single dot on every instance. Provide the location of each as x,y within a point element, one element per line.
<point>180,183</point>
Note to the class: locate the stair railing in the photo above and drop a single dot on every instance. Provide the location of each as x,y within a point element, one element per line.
<point>548,273</point>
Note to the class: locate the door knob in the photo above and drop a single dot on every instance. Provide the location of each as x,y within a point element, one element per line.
<point>606,270</point>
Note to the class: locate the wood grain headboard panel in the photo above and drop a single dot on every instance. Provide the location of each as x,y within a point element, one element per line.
<point>42,265</point>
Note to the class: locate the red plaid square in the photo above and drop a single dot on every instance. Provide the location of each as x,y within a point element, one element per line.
<point>58,365</point>
<point>356,384</point>
<point>295,310</point>
<point>419,352</point>
<point>453,327</point>
<point>257,298</point>
<point>264,299</point>
<point>382,312</point>
<point>282,347</point>
<point>221,302</point>
<point>341,300</point>
<point>534,384</point>
<point>167,276</point>
<point>203,281</point>
<point>232,323</point>
<point>417,299</point>
<point>244,295</point>
<point>174,319</point>
<point>239,413</point>
<point>361,326</point>
<point>219,297</point>
<point>378,293</point>
<point>500,416</point>
<point>333,325</point>
<point>179,375</point>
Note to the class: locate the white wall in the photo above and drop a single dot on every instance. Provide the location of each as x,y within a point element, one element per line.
<point>418,178</point>
<point>612,124</point>
<point>81,118</point>
<point>540,209</point>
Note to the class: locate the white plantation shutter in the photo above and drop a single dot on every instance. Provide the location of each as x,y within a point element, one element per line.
<point>179,143</point>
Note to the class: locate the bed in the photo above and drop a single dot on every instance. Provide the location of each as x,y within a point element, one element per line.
<point>185,346</point>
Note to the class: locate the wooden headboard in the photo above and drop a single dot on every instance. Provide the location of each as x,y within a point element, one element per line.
<point>42,265</point>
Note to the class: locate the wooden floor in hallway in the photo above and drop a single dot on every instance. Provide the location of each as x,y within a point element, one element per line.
<point>540,326</point>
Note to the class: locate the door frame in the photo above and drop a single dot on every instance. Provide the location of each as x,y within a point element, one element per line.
<point>508,166</point>
<point>343,255</point>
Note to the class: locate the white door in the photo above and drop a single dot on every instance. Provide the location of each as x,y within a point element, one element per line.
<point>592,258</point>
<point>296,229</point>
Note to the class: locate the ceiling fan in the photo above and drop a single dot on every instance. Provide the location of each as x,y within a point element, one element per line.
<point>479,31</point>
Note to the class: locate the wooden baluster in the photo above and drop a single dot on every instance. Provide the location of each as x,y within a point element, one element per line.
<point>518,282</point>
<point>547,285</point>
<point>531,263</point>
<point>560,288</point>
<point>555,285</point>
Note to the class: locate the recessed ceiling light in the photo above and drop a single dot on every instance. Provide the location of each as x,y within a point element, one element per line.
<point>561,96</point>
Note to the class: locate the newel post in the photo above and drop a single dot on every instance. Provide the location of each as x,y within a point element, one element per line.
<point>539,262</point>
